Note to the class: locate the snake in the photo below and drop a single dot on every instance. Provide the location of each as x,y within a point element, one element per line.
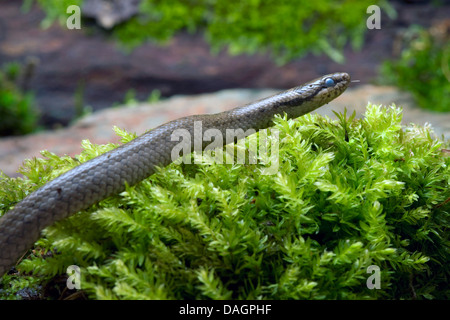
<point>108,174</point>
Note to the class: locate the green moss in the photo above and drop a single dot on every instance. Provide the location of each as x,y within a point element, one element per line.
<point>54,10</point>
<point>348,194</point>
<point>422,69</point>
<point>18,112</point>
<point>286,29</point>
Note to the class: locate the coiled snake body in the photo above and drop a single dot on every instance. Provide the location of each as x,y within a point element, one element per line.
<point>132,162</point>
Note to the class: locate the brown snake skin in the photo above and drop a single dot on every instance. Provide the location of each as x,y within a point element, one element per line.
<point>134,161</point>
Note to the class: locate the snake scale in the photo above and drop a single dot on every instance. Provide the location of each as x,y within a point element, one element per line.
<point>106,175</point>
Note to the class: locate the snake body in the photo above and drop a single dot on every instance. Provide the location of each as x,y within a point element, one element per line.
<point>134,161</point>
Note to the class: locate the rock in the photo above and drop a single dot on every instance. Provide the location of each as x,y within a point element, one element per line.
<point>97,127</point>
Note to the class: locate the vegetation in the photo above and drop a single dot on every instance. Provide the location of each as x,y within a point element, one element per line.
<point>423,68</point>
<point>18,113</point>
<point>131,100</point>
<point>287,29</point>
<point>348,194</point>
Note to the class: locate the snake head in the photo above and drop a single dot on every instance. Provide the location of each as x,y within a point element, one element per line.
<point>312,95</point>
<point>326,88</point>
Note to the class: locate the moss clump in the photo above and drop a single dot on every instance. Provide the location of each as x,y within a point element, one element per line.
<point>348,194</point>
<point>18,112</point>
<point>288,29</point>
<point>423,68</point>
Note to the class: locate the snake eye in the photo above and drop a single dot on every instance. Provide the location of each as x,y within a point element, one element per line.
<point>329,82</point>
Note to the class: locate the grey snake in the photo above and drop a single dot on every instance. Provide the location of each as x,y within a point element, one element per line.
<point>106,175</point>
